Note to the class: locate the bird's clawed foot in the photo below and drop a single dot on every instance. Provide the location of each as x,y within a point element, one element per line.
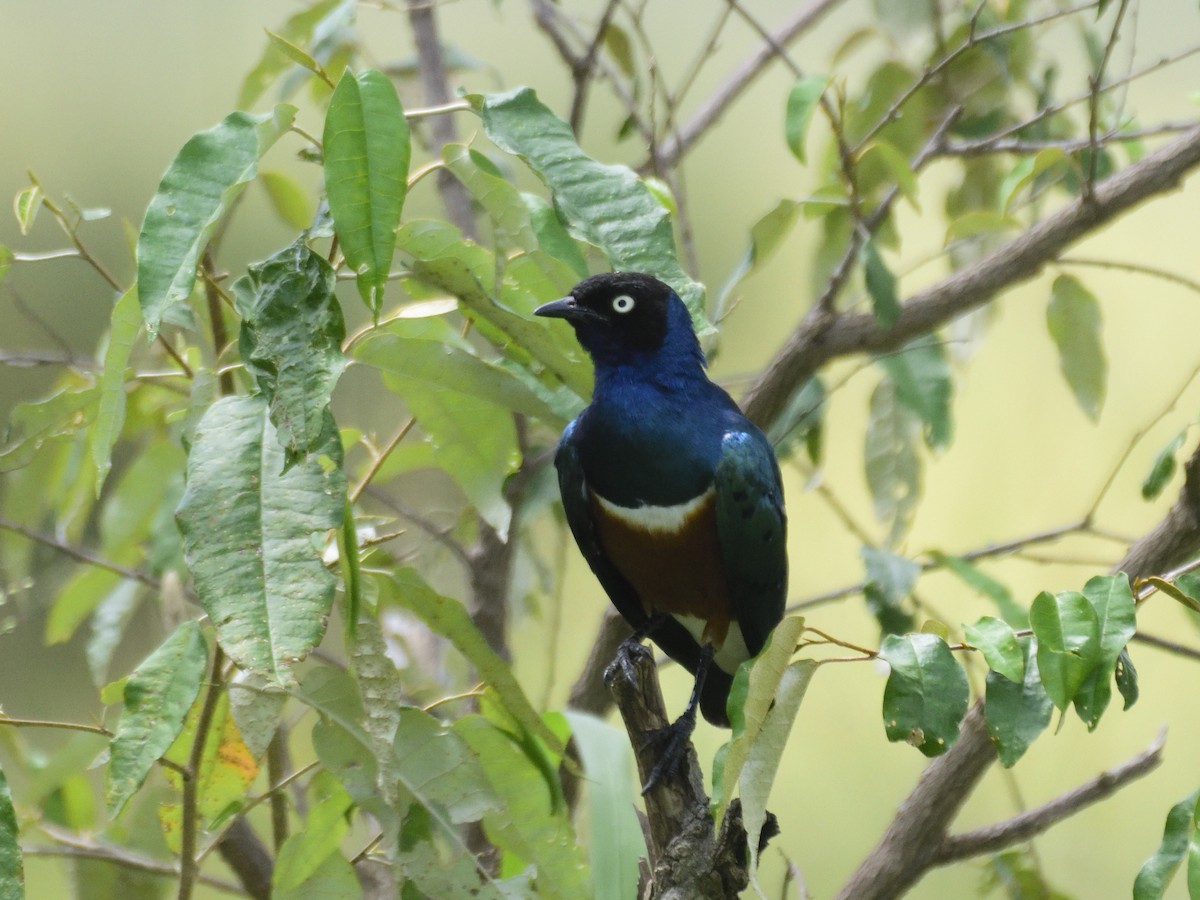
<point>672,743</point>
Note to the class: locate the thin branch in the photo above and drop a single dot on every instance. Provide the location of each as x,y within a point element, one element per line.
<point>380,459</point>
<point>1095,83</point>
<point>815,342</point>
<point>44,723</point>
<point>1169,646</point>
<point>77,848</point>
<point>1022,827</point>
<point>79,554</point>
<point>1136,268</point>
<point>189,828</point>
<point>1029,147</point>
<point>582,72</point>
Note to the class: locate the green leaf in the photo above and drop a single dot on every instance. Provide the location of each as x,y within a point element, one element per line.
<point>530,822</point>
<point>304,852</point>
<point>332,879</point>
<point>288,198</point>
<point>344,749</point>
<point>1073,318</point>
<point>977,222</point>
<point>979,580</point>
<point>197,190</point>
<point>12,871</point>
<point>1179,839</point>
<point>765,237</point>
<point>998,644</point>
<point>926,694</point>
<point>605,205</point>
<point>110,413</point>
<point>367,152</point>
<point>552,235</point>
<point>897,166</point>
<point>1112,599</point>
<point>26,204</point>
<point>157,697</point>
<point>248,530</point>
<point>1163,467</point>
<point>1025,172</point>
<point>921,374</point>
<point>291,341</point>
<point>893,466</point>
<point>802,419</point>
<point>890,579</point>
<point>33,425</point>
<point>297,30</point>
<point>6,261</point>
<point>256,705</point>
<point>441,366</point>
<point>498,197</point>
<point>801,103</point>
<point>754,687</point>
<point>1127,679</point>
<point>616,842</point>
<point>1017,874</point>
<point>1017,711</point>
<point>1068,636</point>
<point>449,618</point>
<point>881,285</point>
<point>444,770</point>
<point>108,627</point>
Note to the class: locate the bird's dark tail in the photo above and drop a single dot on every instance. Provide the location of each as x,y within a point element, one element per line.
<point>715,694</point>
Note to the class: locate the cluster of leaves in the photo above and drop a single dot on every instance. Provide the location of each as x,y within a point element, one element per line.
<point>227,481</point>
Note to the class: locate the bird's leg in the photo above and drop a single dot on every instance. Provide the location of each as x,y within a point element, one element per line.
<point>633,645</point>
<point>674,738</point>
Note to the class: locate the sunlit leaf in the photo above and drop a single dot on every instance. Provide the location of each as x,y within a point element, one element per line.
<point>110,412</point>
<point>605,205</point>
<point>616,842</point>
<point>12,871</point>
<point>157,696</point>
<point>801,103</point>
<point>1180,838</point>
<point>249,529</point>
<point>291,341</point>
<point>1073,318</point>
<point>881,285</point>
<point>893,466</point>
<point>297,55</point>
<point>750,698</point>
<point>366,156</point>
<point>998,644</point>
<point>926,694</point>
<point>195,193</point>
<point>1068,636</point>
<point>1017,711</point>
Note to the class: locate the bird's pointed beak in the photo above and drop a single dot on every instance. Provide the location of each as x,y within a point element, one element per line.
<point>564,308</point>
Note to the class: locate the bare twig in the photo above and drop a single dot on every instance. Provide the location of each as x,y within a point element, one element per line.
<point>77,848</point>
<point>80,554</point>
<point>582,72</point>
<point>189,827</point>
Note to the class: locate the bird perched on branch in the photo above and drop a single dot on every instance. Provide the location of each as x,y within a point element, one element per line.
<point>672,495</point>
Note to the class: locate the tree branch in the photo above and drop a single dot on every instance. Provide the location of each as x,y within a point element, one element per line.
<point>818,341</point>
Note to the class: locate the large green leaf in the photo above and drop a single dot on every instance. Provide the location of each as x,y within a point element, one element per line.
<point>439,768</point>
<point>110,413</point>
<point>303,854</point>
<point>248,530</point>
<point>1073,318</point>
<point>1181,837</point>
<point>1017,711</point>
<point>498,197</point>
<point>34,424</point>
<point>1068,635</point>
<point>530,822</point>
<point>291,341</point>
<point>921,374</point>
<point>367,151</point>
<point>157,697</point>
<point>605,205</point>
<point>617,842</point>
<point>893,466</point>
<point>12,872</point>
<point>926,694</point>
<point>1112,599</point>
<point>449,618</point>
<point>196,191</point>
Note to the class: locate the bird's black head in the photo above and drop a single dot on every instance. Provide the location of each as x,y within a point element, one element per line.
<point>622,314</point>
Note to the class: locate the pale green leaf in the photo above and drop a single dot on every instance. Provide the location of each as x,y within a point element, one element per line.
<point>497,196</point>
<point>113,613</point>
<point>1023,174</point>
<point>616,842</point>
<point>801,103</point>
<point>256,705</point>
<point>1163,467</point>
<point>921,374</point>
<point>896,164</point>
<point>893,466</point>
<point>366,156</point>
<point>110,412</point>
<point>1073,318</point>
<point>998,644</point>
<point>197,190</point>
<point>304,852</point>
<point>765,237</point>
<point>1112,599</point>
<point>552,235</point>
<point>926,694</point>
<point>157,696</point>
<point>890,579</point>
<point>980,581</point>
<point>438,767</point>
<point>288,198</point>
<point>26,204</point>
<point>249,531</point>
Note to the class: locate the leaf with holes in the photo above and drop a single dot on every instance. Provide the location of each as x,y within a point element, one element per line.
<point>250,531</point>
<point>926,694</point>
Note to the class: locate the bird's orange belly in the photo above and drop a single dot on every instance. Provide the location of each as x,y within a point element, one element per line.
<point>673,559</point>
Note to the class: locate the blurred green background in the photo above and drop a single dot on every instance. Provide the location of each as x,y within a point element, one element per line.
<point>96,98</point>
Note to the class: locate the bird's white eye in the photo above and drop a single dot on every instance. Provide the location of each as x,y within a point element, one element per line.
<point>622,303</point>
